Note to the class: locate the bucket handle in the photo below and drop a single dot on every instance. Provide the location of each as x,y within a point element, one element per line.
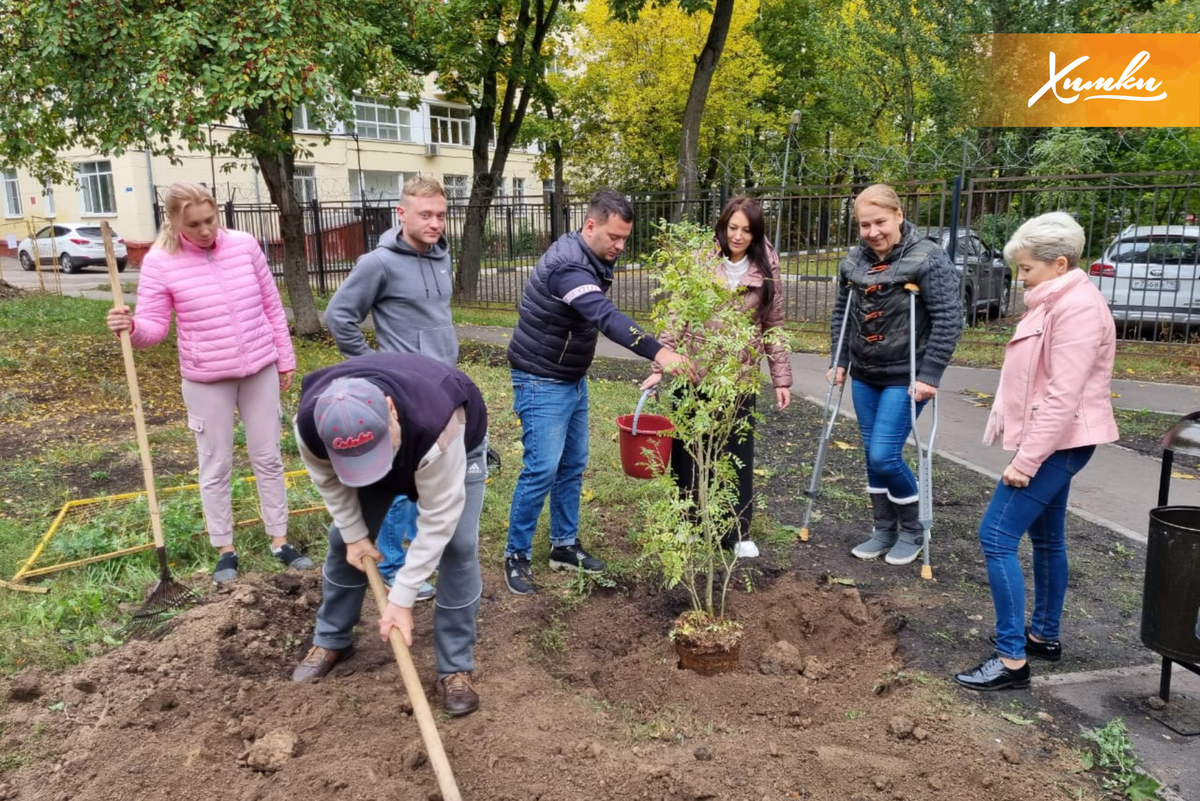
<point>646,393</point>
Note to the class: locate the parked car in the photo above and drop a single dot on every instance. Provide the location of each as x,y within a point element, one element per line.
<point>1151,274</point>
<point>987,288</point>
<point>72,246</point>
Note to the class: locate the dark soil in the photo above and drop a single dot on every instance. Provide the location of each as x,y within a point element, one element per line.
<point>842,691</point>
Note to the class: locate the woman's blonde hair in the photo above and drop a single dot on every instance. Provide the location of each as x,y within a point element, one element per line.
<point>179,196</point>
<point>1046,238</point>
<point>880,195</point>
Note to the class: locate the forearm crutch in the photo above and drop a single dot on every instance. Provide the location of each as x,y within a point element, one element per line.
<point>924,452</point>
<point>814,486</point>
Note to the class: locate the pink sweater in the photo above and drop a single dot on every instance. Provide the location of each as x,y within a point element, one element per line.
<point>1056,384</point>
<point>229,320</point>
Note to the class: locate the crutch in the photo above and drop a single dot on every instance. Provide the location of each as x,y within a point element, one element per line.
<point>814,486</point>
<point>924,452</point>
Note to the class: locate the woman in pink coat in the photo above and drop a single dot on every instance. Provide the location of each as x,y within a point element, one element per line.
<point>1053,407</point>
<point>235,352</point>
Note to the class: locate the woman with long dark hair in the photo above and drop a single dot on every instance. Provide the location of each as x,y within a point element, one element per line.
<point>750,268</point>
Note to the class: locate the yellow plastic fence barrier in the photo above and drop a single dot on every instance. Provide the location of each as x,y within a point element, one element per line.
<point>123,521</point>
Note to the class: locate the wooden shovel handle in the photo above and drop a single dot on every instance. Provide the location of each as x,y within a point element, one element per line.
<point>135,396</point>
<point>412,686</point>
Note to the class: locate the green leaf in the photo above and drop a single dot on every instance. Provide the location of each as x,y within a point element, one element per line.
<point>57,706</point>
<point>1017,719</point>
<point>1142,788</point>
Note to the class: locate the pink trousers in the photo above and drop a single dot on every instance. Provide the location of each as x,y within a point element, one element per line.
<point>210,416</point>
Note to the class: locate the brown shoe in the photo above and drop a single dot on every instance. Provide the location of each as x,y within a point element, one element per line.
<point>458,695</point>
<point>318,662</point>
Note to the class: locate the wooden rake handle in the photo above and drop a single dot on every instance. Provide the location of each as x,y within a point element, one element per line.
<point>412,686</point>
<point>135,396</point>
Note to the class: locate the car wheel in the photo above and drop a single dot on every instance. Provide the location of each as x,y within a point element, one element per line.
<point>969,311</point>
<point>1001,309</point>
<point>121,265</point>
<point>67,264</point>
<point>26,262</point>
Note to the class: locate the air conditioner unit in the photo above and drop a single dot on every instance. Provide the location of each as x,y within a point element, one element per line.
<point>432,149</point>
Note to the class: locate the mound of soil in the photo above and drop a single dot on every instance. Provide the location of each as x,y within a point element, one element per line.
<point>8,291</point>
<point>821,708</point>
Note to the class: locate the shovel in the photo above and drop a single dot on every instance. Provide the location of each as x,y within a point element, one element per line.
<point>166,595</point>
<point>412,686</point>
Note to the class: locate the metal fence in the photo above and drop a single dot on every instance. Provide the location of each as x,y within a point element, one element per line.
<point>812,226</point>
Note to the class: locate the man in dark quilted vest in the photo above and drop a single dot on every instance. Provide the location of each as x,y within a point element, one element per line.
<point>564,308</point>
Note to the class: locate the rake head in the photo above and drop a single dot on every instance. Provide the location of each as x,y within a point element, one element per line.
<point>149,621</point>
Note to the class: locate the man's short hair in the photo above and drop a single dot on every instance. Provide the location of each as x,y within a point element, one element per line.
<point>422,186</point>
<point>607,202</point>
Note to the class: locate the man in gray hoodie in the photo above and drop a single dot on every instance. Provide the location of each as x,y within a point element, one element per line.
<point>405,285</point>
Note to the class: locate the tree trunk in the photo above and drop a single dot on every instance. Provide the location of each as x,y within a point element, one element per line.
<point>278,169</point>
<point>689,141</point>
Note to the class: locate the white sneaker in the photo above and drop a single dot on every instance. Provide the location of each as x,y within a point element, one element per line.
<point>745,550</point>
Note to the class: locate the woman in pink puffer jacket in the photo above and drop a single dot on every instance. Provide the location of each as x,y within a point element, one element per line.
<point>235,352</point>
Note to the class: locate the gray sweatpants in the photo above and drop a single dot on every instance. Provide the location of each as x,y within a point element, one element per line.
<point>460,584</point>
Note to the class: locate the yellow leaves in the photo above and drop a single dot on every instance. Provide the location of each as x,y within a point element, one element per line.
<point>586,495</point>
<point>842,446</point>
<point>1184,476</point>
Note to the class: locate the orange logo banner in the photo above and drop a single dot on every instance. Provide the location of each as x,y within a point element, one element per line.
<point>1089,80</point>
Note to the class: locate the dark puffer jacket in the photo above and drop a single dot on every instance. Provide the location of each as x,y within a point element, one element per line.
<point>564,307</point>
<point>877,337</point>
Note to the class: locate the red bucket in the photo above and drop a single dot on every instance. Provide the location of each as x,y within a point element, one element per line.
<point>645,442</point>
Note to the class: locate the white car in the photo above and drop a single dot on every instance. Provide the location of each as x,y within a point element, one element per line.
<point>72,246</point>
<point>1150,274</point>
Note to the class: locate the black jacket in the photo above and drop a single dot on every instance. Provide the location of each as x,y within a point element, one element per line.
<point>564,307</point>
<point>877,337</point>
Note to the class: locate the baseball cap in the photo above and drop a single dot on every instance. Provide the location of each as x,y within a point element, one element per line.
<point>352,420</point>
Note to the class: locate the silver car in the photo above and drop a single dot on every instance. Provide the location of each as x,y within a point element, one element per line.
<point>1151,274</point>
<point>988,283</point>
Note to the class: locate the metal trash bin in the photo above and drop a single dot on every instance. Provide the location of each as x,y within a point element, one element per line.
<point>1171,591</point>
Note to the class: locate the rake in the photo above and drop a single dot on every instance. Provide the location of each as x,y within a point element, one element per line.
<point>167,595</point>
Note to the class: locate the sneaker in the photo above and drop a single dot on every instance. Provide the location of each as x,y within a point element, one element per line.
<point>879,544</point>
<point>574,557</point>
<point>226,569</point>
<point>745,550</point>
<point>518,574</point>
<point>293,558</point>
<point>427,592</point>
<point>459,696</point>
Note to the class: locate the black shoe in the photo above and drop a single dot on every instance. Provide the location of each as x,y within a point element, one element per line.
<point>518,574</point>
<point>993,675</point>
<point>226,569</point>
<point>293,558</point>
<point>1051,650</point>
<point>574,557</point>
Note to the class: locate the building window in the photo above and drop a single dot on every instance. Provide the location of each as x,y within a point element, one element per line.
<point>374,119</point>
<point>305,181</point>
<point>457,187</point>
<point>449,126</point>
<point>96,188</point>
<point>376,185</point>
<point>518,188</point>
<point>48,199</point>
<point>12,194</point>
<point>500,187</point>
<point>303,121</point>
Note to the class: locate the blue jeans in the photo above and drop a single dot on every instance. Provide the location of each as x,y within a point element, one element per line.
<point>1040,509</point>
<point>885,422</point>
<point>554,433</point>
<point>398,530</point>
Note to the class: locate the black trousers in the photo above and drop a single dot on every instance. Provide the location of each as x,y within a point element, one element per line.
<point>741,447</point>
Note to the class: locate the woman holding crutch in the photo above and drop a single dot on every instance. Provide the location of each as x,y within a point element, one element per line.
<point>1053,407</point>
<point>880,273</point>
